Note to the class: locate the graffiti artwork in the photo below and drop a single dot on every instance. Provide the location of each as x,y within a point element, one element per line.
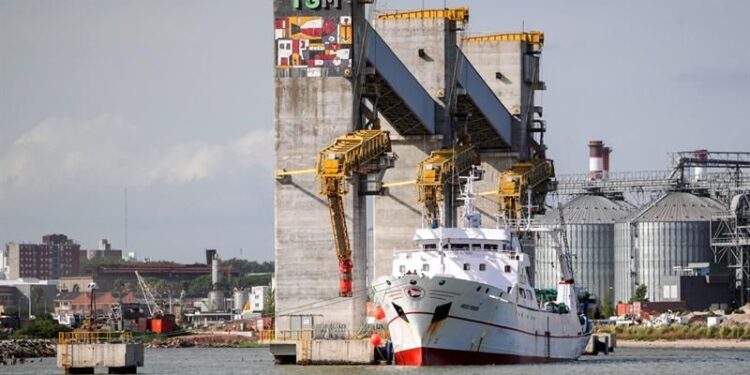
<point>313,46</point>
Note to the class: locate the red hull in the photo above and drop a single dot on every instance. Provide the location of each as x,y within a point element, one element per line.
<point>436,357</point>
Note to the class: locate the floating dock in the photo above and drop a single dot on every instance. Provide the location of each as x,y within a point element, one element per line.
<point>82,352</point>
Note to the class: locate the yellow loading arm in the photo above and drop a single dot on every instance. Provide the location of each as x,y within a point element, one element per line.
<point>533,37</point>
<point>453,14</point>
<point>360,152</point>
<point>441,167</point>
<point>514,184</point>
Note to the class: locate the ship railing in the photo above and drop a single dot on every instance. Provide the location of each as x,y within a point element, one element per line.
<point>94,337</point>
<point>500,249</point>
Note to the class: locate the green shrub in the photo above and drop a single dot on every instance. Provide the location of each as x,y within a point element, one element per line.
<point>42,328</point>
<point>725,332</point>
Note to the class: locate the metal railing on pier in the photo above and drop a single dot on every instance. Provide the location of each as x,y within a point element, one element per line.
<point>283,335</point>
<point>94,337</point>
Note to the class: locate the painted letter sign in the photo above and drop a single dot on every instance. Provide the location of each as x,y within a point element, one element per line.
<point>316,4</point>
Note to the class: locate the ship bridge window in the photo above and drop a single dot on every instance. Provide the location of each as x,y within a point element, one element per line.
<point>476,246</point>
<point>425,267</point>
<point>490,247</point>
<point>460,246</point>
<point>482,266</point>
<point>467,266</point>
<point>430,246</point>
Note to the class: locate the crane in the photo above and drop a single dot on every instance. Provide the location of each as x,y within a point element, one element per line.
<point>528,180</point>
<point>153,308</point>
<point>441,167</point>
<point>362,152</point>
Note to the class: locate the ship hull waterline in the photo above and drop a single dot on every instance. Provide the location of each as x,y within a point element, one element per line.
<point>449,321</point>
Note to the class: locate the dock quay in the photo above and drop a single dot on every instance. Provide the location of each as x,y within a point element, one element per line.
<point>83,351</point>
<point>601,343</point>
<point>301,348</point>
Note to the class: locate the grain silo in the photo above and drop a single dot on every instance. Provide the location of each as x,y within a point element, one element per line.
<point>239,299</point>
<point>590,223</point>
<point>672,231</point>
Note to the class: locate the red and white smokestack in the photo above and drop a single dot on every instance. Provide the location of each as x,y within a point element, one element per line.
<point>596,159</point>
<point>605,161</point>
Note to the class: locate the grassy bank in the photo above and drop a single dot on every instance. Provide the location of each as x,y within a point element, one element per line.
<point>676,332</point>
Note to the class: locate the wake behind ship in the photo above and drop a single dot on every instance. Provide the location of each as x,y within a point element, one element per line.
<point>463,296</point>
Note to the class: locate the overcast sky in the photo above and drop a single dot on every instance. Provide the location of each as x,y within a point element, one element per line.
<point>173,101</point>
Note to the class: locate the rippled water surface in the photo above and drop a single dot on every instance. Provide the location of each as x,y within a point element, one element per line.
<point>258,361</point>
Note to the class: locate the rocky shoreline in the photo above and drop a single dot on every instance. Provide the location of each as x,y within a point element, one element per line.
<point>210,341</point>
<point>19,351</point>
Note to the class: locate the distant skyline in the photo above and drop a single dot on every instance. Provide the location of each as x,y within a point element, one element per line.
<point>173,101</point>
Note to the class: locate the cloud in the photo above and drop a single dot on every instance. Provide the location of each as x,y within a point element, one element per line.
<point>64,152</point>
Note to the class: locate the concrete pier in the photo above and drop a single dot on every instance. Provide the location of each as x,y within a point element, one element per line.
<point>324,352</point>
<point>601,343</point>
<point>80,358</point>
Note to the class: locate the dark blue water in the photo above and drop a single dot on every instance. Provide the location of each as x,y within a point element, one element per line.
<point>258,361</point>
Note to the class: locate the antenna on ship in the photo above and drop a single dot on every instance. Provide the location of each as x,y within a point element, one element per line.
<point>472,217</point>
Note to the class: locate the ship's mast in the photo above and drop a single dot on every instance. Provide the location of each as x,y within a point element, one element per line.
<point>472,218</point>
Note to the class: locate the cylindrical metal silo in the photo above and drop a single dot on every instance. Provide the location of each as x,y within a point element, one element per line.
<point>216,301</point>
<point>528,243</point>
<point>624,262</point>
<point>590,223</point>
<point>239,299</point>
<point>671,232</point>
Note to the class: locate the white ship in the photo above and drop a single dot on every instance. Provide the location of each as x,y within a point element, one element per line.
<point>463,296</point>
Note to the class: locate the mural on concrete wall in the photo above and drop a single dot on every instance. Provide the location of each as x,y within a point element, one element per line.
<point>311,46</point>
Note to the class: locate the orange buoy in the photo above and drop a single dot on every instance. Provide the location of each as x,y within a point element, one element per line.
<point>379,313</point>
<point>375,339</point>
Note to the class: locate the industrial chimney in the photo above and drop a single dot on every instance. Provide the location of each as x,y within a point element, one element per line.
<point>605,162</point>
<point>596,160</point>
<point>210,254</point>
<point>215,271</point>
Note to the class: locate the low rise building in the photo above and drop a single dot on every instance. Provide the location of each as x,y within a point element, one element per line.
<point>9,299</point>
<point>32,297</point>
<point>4,263</point>
<point>258,297</point>
<point>104,250</point>
<point>80,303</point>
<point>74,284</point>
